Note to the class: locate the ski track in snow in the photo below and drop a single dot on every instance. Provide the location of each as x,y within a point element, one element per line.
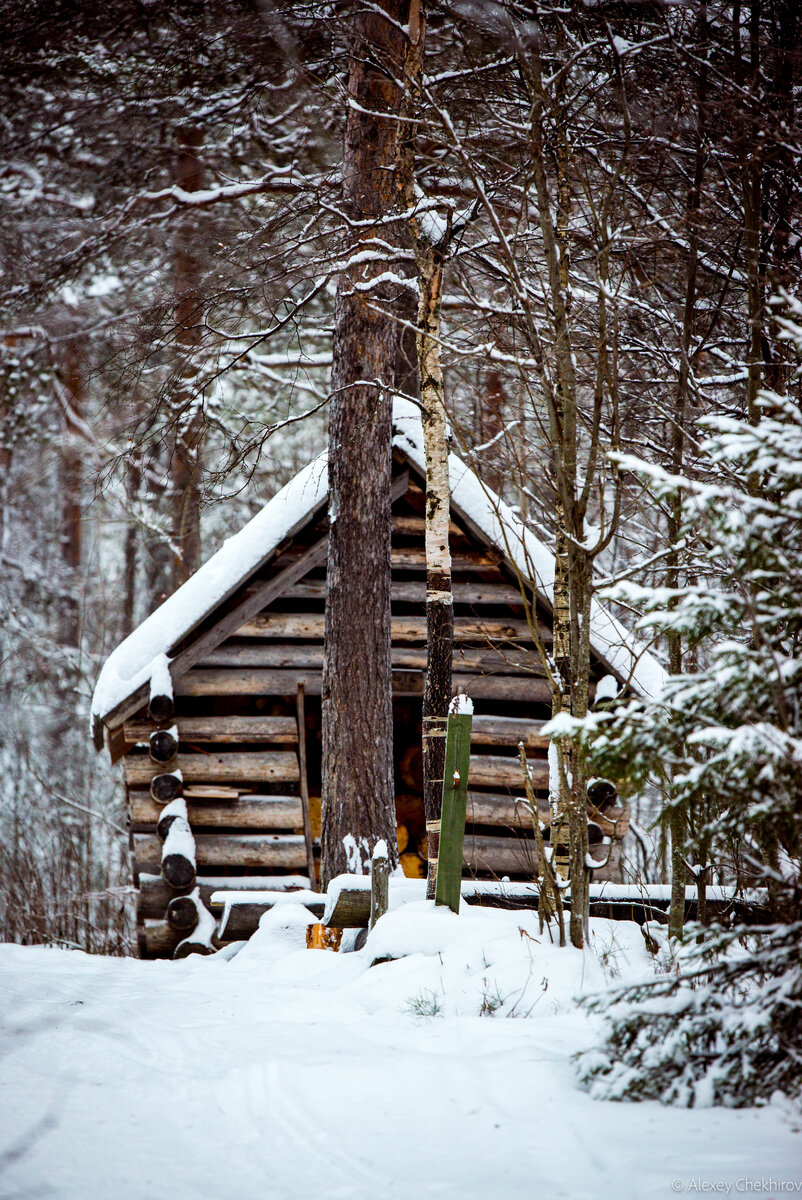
<point>287,1073</point>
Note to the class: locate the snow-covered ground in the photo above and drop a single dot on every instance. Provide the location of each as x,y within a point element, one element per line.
<point>289,1073</point>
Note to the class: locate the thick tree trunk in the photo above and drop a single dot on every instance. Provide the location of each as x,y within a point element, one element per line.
<point>357,791</point>
<point>72,473</point>
<point>429,237</point>
<point>185,465</point>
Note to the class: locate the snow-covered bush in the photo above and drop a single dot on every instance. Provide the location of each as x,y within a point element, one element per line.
<point>726,1026</point>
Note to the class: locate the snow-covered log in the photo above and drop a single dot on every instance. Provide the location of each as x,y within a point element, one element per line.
<point>165,787</point>
<point>178,855</point>
<point>201,940</point>
<point>163,744</point>
<point>170,813</point>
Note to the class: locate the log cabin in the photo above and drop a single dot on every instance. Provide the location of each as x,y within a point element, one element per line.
<point>213,703</point>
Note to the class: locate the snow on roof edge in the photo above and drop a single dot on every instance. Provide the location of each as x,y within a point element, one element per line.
<point>133,662</point>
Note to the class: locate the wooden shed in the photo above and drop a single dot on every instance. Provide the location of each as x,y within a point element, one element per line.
<point>235,660</point>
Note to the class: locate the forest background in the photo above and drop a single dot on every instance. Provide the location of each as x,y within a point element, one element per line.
<point>611,191</point>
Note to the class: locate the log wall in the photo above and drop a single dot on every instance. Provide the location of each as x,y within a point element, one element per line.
<point>237,726</point>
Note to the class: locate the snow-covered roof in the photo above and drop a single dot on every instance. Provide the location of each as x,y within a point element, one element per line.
<point>135,660</point>
<point>133,663</point>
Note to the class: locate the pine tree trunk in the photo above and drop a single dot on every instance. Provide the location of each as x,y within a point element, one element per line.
<point>71,483</point>
<point>357,789</point>
<point>185,465</point>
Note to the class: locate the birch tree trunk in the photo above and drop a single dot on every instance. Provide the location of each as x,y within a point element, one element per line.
<point>429,234</point>
<point>357,792</point>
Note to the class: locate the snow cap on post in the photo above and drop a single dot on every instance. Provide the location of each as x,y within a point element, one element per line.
<point>461,706</point>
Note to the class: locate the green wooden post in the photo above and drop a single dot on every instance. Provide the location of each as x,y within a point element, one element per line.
<point>455,798</point>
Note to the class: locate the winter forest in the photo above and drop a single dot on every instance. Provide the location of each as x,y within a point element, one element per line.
<point>389,351</point>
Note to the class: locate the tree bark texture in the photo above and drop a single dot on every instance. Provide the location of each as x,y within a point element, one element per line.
<point>357,792</point>
<point>185,465</point>
<point>72,478</point>
<point>429,235</point>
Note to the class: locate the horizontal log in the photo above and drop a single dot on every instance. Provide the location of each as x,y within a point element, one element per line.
<point>414,558</point>
<point>217,681</point>
<point>508,731</point>
<point>157,939</point>
<point>511,812</point>
<point>281,730</point>
<point>154,894</point>
<point>512,660</point>
<point>242,920</point>
<point>265,766</point>
<point>498,855</point>
<point>248,812</point>
<point>414,592</point>
<point>310,626</point>
<point>486,770</point>
<point>285,850</point>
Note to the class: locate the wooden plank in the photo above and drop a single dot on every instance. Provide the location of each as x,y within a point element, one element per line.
<point>508,731</point>
<point>413,558</point>
<point>310,626</point>
<point>280,730</point>
<point>498,855</point>
<point>487,770</point>
<point>248,812</point>
<point>267,766</point>
<point>229,850</point>
<point>510,660</point>
<point>452,816</point>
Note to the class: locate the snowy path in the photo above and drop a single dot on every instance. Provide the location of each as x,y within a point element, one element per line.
<point>278,1076</point>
